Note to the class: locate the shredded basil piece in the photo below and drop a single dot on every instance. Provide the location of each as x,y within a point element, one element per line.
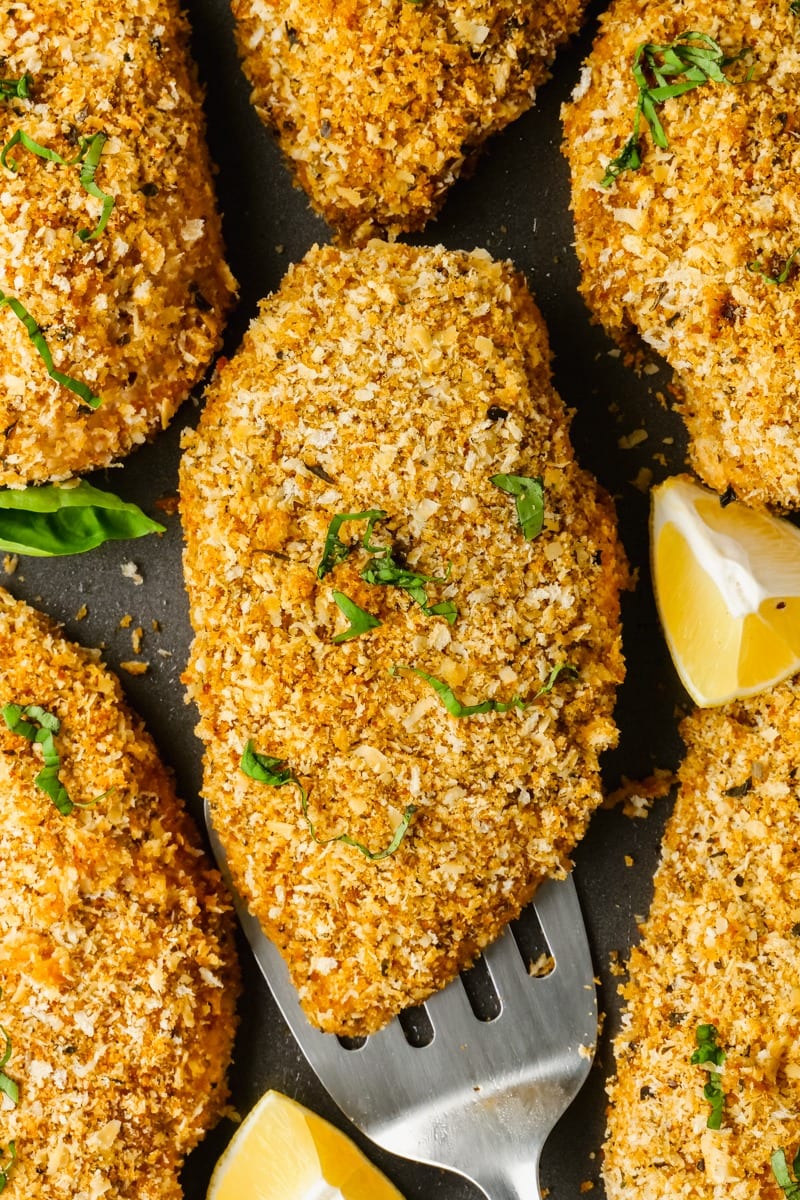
<point>794,7</point>
<point>709,1051</point>
<point>276,773</point>
<point>335,550</point>
<point>36,724</point>
<point>89,151</point>
<point>529,495</point>
<point>37,337</point>
<point>776,279</point>
<point>16,89</point>
<point>360,620</point>
<point>457,709</point>
<point>664,71</point>
<point>6,1166</point>
<point>93,148</point>
<point>46,521</point>
<point>780,1169</point>
<point>8,1086</point>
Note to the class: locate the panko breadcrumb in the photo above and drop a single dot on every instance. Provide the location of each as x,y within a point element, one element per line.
<point>380,104</point>
<point>397,379</point>
<point>721,946</point>
<point>681,250</point>
<point>134,313</point>
<point>117,969</point>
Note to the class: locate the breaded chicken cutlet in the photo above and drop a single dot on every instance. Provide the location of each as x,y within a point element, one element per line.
<point>113,286</point>
<point>694,250</point>
<point>117,966</point>
<point>720,948</point>
<point>379,106</point>
<point>356,577</point>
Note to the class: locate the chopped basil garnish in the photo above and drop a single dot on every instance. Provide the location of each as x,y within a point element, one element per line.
<point>709,1051</point>
<point>782,276</point>
<point>5,1167</point>
<point>794,7</point>
<point>16,89</point>
<point>457,709</point>
<point>360,620</point>
<point>89,151</point>
<point>36,724</point>
<point>382,568</point>
<point>7,1086</point>
<point>780,1169</point>
<point>37,337</point>
<point>662,72</point>
<point>276,773</point>
<point>335,550</point>
<point>47,520</point>
<point>529,494</point>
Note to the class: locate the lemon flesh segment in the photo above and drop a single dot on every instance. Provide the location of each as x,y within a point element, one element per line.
<point>727,585</point>
<point>282,1151</point>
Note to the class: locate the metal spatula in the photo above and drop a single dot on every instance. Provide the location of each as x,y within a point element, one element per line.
<point>482,1095</point>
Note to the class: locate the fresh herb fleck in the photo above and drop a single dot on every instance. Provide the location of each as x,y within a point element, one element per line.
<point>782,276</point>
<point>360,620</point>
<point>7,1085</point>
<point>275,772</point>
<point>46,521</point>
<point>5,1167</point>
<point>88,158</point>
<point>335,550</point>
<point>457,709</point>
<point>36,724</point>
<point>709,1051</point>
<point>529,495</point>
<point>37,337</point>
<point>780,1169</point>
<point>16,89</point>
<point>794,7</point>
<point>664,71</point>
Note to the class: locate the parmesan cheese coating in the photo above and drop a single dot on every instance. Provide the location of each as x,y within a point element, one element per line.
<point>117,966</point>
<point>380,104</point>
<point>398,379</point>
<point>673,250</point>
<point>134,313</point>
<point>721,946</point>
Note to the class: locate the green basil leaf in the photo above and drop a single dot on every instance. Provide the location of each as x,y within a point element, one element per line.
<point>780,1169</point>
<point>16,89</point>
<point>265,769</point>
<point>360,620</point>
<point>49,520</point>
<point>36,724</point>
<point>6,1166</point>
<point>782,276</point>
<point>529,494</point>
<point>709,1051</point>
<point>92,149</point>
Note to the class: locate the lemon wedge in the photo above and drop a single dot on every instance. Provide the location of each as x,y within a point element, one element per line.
<point>282,1151</point>
<point>727,586</point>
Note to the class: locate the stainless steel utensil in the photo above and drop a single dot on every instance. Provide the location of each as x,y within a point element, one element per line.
<point>482,1096</point>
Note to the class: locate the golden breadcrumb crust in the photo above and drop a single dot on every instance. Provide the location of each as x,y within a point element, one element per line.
<point>135,313</point>
<point>667,250</point>
<point>380,104</point>
<point>721,946</point>
<point>117,966</point>
<point>379,379</point>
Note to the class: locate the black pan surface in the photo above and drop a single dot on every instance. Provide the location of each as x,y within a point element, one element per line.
<point>516,206</point>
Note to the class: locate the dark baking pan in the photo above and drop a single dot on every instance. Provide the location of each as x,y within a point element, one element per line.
<point>516,206</point>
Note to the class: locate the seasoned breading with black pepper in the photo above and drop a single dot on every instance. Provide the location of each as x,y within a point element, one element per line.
<point>379,105</point>
<point>694,249</point>
<point>117,969</point>
<point>113,285</point>
<point>395,382</point>
<point>720,947</point>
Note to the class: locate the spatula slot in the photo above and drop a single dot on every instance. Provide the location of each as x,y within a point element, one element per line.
<point>532,943</point>
<point>481,992</point>
<point>416,1026</point>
